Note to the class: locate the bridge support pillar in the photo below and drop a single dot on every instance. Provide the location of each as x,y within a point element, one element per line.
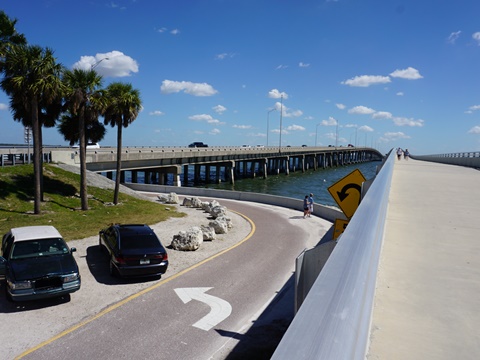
<point>207,174</point>
<point>217,174</point>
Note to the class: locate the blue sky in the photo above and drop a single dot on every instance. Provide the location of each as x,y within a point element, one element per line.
<point>378,73</point>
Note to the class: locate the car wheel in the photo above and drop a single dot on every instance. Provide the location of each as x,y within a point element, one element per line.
<point>7,294</point>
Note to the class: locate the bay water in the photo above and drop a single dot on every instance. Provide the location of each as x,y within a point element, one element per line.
<point>295,185</point>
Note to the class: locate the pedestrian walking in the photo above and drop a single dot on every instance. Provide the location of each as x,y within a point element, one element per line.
<point>399,153</point>
<point>310,205</point>
<point>305,206</point>
<point>406,154</point>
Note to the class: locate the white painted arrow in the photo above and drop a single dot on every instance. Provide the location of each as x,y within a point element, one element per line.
<point>220,309</point>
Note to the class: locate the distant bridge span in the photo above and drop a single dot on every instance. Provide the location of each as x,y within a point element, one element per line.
<point>219,163</point>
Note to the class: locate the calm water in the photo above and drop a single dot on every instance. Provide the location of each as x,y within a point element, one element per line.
<point>298,184</point>
<point>294,185</point>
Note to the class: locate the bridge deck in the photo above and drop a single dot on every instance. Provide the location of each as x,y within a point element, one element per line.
<point>427,303</point>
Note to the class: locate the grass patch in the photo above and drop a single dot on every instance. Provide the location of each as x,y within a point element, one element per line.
<point>62,206</point>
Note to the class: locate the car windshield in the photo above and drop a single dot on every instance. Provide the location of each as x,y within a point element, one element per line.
<point>35,248</point>
<point>135,241</point>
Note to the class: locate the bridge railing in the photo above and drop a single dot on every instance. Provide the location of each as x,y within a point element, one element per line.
<point>468,159</point>
<point>334,320</point>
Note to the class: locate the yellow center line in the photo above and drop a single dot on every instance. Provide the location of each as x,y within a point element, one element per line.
<point>144,291</point>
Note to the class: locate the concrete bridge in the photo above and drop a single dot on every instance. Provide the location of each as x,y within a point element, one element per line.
<point>403,281</point>
<point>166,165</point>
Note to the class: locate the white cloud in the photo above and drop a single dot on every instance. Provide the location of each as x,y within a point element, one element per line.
<point>219,109</point>
<point>275,94</point>
<point>214,132</point>
<point>110,64</point>
<point>362,110</point>
<point>330,122</point>
<point>474,107</point>
<point>156,113</point>
<point>453,37</point>
<point>281,67</point>
<point>366,80</point>
<point>303,65</point>
<point>257,135</point>
<point>242,126</point>
<point>195,89</point>
<point>365,128</point>
<point>207,118</point>
<point>401,121</point>
<point>287,112</point>
<point>400,93</point>
<point>340,106</point>
<point>175,32</point>
<point>3,106</point>
<point>393,136</point>
<point>474,130</point>
<point>476,37</point>
<point>382,115</point>
<point>408,73</point>
<point>223,56</point>
<point>295,128</point>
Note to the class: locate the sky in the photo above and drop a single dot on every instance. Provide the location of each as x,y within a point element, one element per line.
<point>376,73</point>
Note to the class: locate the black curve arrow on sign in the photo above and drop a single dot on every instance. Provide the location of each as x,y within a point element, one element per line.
<point>342,195</point>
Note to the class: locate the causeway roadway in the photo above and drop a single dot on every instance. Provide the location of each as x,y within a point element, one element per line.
<point>427,303</point>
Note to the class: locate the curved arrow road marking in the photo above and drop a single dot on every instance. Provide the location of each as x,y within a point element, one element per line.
<point>220,309</point>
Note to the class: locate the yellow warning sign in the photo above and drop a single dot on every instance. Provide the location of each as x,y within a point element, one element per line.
<point>339,227</point>
<point>347,192</point>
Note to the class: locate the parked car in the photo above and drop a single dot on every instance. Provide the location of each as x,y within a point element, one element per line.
<point>133,250</point>
<point>197,144</point>
<point>37,263</point>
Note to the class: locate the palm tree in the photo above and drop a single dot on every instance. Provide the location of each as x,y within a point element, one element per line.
<point>121,108</point>
<point>32,80</point>
<point>68,127</point>
<point>8,34</point>
<point>81,91</point>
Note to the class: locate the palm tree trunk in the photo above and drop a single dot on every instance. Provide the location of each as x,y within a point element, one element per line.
<point>40,146</point>
<point>83,160</point>
<point>119,163</point>
<point>36,157</point>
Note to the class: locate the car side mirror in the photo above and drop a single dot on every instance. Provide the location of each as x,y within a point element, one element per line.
<point>73,249</point>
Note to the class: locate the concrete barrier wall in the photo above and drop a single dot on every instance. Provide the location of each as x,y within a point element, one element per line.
<point>325,212</point>
<point>334,320</point>
<point>453,159</point>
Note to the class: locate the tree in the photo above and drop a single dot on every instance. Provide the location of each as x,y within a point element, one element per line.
<point>32,81</point>
<point>8,34</point>
<point>121,107</point>
<point>82,90</point>
<point>68,127</point>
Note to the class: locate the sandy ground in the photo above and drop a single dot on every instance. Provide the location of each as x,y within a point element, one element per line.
<point>26,324</point>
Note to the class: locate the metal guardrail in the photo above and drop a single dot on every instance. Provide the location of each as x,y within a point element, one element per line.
<point>334,319</point>
<point>468,159</point>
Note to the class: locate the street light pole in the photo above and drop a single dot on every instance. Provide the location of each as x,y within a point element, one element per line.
<point>281,115</point>
<point>336,136</point>
<point>92,67</point>
<point>268,121</point>
<point>316,134</point>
